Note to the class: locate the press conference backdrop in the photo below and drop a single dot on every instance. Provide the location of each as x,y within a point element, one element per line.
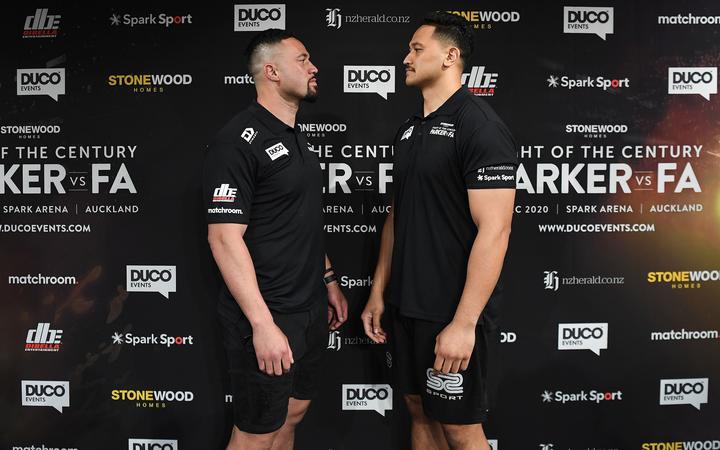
<point>609,335</point>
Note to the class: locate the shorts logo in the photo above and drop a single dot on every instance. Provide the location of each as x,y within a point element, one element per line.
<point>448,386</point>
<point>249,135</point>
<point>224,193</point>
<point>407,133</point>
<point>277,151</point>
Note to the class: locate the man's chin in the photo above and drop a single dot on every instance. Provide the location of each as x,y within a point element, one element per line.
<point>311,96</point>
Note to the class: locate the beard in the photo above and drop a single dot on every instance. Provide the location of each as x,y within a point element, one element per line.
<point>311,95</point>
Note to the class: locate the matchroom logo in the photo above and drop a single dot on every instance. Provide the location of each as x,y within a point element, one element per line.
<point>702,81</point>
<point>55,394</point>
<point>160,279</point>
<point>588,20</point>
<point>367,397</point>
<point>688,391</point>
<point>583,336</point>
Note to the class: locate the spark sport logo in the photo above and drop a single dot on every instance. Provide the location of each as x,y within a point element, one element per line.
<point>702,81</point>
<point>687,279</point>
<point>50,82</point>
<point>150,398</point>
<point>588,82</point>
<point>160,279</point>
<point>593,396</point>
<point>479,82</point>
<point>259,17</point>
<point>41,25</point>
<point>148,83</point>
<point>163,20</point>
<point>486,20</point>
<point>588,20</point>
<point>164,340</point>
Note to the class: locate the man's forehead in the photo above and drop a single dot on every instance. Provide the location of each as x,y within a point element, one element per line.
<point>422,35</point>
<point>294,46</point>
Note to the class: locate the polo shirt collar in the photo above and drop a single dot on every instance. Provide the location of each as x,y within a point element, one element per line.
<point>268,119</point>
<point>450,106</point>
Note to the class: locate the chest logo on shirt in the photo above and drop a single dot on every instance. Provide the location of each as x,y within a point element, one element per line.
<point>444,129</point>
<point>407,133</point>
<point>277,151</point>
<point>249,135</point>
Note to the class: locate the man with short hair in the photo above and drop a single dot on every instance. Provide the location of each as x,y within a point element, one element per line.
<point>263,189</point>
<point>443,243</point>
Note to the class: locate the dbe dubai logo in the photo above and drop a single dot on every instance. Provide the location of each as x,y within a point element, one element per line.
<point>702,81</point>
<point>687,391</point>
<point>160,279</point>
<point>152,444</point>
<point>588,20</point>
<point>55,394</point>
<point>583,336</point>
<point>259,17</point>
<point>41,24</point>
<point>447,386</point>
<point>43,339</point>
<point>50,82</point>
<point>367,397</point>
<point>225,193</point>
<point>369,79</point>
<point>479,82</point>
<point>149,83</point>
<point>150,398</point>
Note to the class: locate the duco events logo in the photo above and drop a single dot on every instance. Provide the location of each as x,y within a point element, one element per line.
<point>479,82</point>
<point>152,444</point>
<point>369,79</point>
<point>686,279</point>
<point>680,445</point>
<point>588,20</point>
<point>493,444</point>
<point>588,82</point>
<point>593,396</point>
<point>41,25</point>
<point>148,83</point>
<point>55,394</point>
<point>367,397</point>
<point>702,81</point>
<point>583,336</point>
<point>687,391</point>
<point>485,20</point>
<point>149,398</point>
<point>446,386</point>
<point>43,339</point>
<point>259,17</point>
<point>161,279</point>
<point>163,339</point>
<point>163,20</point>
<point>50,82</point>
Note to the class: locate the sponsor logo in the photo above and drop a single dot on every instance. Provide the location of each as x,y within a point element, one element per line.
<point>688,391</point>
<point>583,336</point>
<point>50,82</point>
<point>369,79</point>
<point>445,130</point>
<point>238,79</point>
<point>600,82</point>
<point>29,131</point>
<point>493,444</point>
<point>249,134</point>
<point>479,82</point>
<point>41,25</point>
<point>547,446</point>
<point>40,280</point>
<point>684,335</point>
<point>152,444</point>
<point>224,211</point>
<point>678,445</point>
<point>581,397</point>
<point>336,341</point>
<point>277,151</point>
<point>163,20</point>
<point>687,279</point>
<point>160,279</point>
<point>552,281</point>
<point>349,283</point>
<point>148,83</point>
<point>259,17</point>
<point>55,394</point>
<point>702,81</point>
<point>43,339</point>
<point>688,19</point>
<point>485,20</point>
<point>334,18</point>
<point>165,340</point>
<point>322,129</point>
<point>407,133</point>
<point>596,131</point>
<point>149,398</point>
<point>367,397</point>
<point>40,447</point>
<point>505,173</point>
<point>225,193</point>
<point>447,386</point>
<point>588,20</point>
<point>508,337</point>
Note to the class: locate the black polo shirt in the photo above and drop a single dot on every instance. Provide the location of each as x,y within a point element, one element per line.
<point>462,145</point>
<point>261,172</point>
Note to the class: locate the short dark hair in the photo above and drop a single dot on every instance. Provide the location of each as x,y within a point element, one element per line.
<point>262,40</point>
<point>455,29</point>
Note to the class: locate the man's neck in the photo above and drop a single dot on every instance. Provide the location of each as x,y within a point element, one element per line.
<point>282,108</point>
<point>435,95</point>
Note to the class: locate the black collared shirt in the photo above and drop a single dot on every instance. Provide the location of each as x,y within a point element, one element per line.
<point>462,145</point>
<point>261,172</point>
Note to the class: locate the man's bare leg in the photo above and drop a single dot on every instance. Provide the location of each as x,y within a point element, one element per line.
<point>286,434</point>
<point>426,434</point>
<point>240,440</point>
<point>466,437</point>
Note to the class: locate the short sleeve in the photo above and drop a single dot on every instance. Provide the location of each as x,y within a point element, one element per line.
<point>488,157</point>
<point>228,183</point>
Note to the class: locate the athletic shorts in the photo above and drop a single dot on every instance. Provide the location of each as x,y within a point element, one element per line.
<point>460,398</point>
<point>260,401</point>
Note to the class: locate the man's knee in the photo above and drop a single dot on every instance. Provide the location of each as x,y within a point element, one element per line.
<point>296,412</point>
<point>460,436</point>
<point>241,440</point>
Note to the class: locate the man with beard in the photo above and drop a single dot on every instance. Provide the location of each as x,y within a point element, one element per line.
<point>263,189</point>
<point>443,244</point>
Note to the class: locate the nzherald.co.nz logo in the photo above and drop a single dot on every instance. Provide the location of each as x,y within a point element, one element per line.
<point>161,279</point>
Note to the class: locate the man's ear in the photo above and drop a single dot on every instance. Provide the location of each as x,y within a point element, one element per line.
<point>452,57</point>
<point>270,72</point>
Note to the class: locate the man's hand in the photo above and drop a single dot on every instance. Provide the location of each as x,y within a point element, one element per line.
<point>337,306</point>
<point>272,349</point>
<point>371,316</point>
<point>454,346</point>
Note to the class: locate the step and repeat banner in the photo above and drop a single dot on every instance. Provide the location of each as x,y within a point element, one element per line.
<point>609,331</point>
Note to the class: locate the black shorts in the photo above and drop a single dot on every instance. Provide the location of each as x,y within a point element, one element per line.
<point>461,398</point>
<point>260,401</point>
